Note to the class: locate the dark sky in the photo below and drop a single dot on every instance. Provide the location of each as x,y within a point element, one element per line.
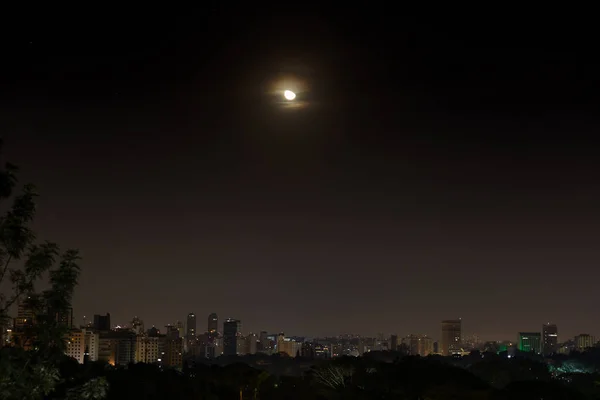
<point>439,168</point>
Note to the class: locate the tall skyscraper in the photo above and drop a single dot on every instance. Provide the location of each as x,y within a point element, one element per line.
<point>550,338</point>
<point>191,326</point>
<point>213,324</point>
<point>180,328</point>
<point>530,342</point>
<point>451,336</point>
<point>190,334</point>
<point>232,329</point>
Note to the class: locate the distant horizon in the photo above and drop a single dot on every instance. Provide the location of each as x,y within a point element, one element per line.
<point>561,337</point>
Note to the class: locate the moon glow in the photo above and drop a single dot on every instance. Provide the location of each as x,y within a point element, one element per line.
<point>289,95</point>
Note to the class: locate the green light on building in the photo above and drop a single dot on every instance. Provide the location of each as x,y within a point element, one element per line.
<point>530,342</point>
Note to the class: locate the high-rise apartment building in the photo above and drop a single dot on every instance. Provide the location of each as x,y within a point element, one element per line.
<point>232,329</point>
<point>213,324</point>
<point>584,341</point>
<point>288,346</point>
<point>190,333</point>
<point>75,346</point>
<point>173,352</point>
<point>451,337</point>
<point>549,338</point>
<point>92,343</point>
<point>82,345</point>
<point>117,347</point>
<point>180,328</point>
<point>146,349</point>
<point>418,345</point>
<point>530,342</point>
<point>191,325</point>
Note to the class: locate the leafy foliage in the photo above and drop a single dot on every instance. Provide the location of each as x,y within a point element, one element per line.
<point>94,389</point>
<point>30,371</point>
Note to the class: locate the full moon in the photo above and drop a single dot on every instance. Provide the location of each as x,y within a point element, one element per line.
<point>289,95</point>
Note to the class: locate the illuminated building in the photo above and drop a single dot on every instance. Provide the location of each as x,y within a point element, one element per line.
<point>418,345</point>
<point>549,338</point>
<point>266,343</point>
<point>451,337</point>
<point>308,350</point>
<point>322,350</point>
<point>213,324</point>
<point>172,356</point>
<point>530,342</point>
<point>7,339</point>
<point>584,341</point>
<point>82,345</point>
<point>75,346</point>
<point>190,335</point>
<point>288,346</point>
<point>117,347</point>
<point>566,347</point>
<point>471,342</point>
<point>180,328</point>
<point>146,349</point>
<point>232,330</point>
<point>92,340</point>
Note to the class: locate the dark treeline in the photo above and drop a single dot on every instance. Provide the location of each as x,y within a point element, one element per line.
<point>487,376</point>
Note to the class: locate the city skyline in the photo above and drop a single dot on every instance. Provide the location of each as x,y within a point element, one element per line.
<point>122,345</point>
<point>421,173</point>
<point>436,335</point>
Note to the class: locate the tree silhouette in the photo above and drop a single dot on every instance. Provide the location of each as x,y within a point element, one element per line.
<point>31,374</point>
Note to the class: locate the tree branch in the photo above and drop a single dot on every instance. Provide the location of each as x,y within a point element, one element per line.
<point>10,302</point>
<point>5,268</point>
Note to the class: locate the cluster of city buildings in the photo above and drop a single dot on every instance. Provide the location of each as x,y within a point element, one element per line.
<point>544,342</point>
<point>98,340</point>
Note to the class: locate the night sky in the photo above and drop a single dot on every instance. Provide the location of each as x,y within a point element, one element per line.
<point>436,169</point>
